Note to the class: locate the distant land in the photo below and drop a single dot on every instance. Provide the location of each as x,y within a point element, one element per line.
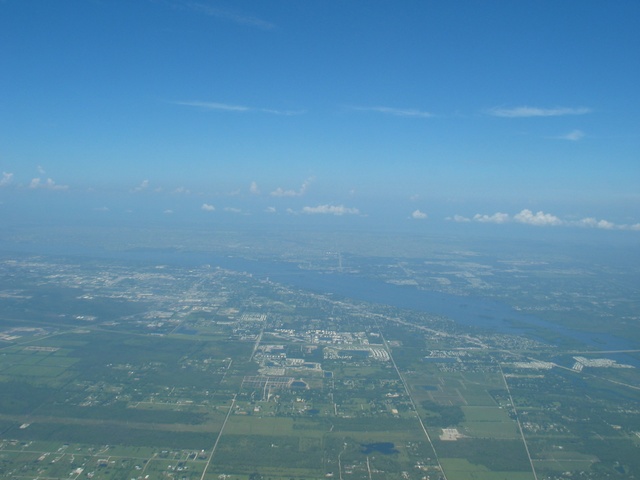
<point>274,356</point>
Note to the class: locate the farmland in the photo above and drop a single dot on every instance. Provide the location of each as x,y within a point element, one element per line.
<point>110,370</point>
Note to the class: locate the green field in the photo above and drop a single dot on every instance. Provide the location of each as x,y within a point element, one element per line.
<point>221,375</point>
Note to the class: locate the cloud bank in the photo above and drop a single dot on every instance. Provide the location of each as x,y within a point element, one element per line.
<point>542,219</point>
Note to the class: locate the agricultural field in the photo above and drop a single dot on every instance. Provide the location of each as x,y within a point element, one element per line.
<point>149,371</point>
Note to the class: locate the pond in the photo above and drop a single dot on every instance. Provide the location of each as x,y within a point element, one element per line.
<point>386,448</point>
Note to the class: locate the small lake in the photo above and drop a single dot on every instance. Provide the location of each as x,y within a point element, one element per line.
<point>385,448</point>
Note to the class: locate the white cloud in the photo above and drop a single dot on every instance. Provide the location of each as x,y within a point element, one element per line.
<point>232,210</point>
<point>143,186</point>
<point>280,192</point>
<point>6,179</point>
<point>331,210</point>
<point>606,224</point>
<point>270,210</point>
<point>538,219</point>
<point>497,217</point>
<point>253,188</point>
<point>573,136</point>
<point>594,223</point>
<point>207,208</point>
<point>49,184</point>
<point>181,191</point>
<point>542,219</point>
<point>398,112</point>
<point>525,111</point>
<point>418,215</point>
<point>40,170</point>
<point>168,212</point>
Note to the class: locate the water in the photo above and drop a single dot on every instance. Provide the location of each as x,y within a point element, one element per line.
<point>386,448</point>
<point>465,310</point>
<point>471,310</point>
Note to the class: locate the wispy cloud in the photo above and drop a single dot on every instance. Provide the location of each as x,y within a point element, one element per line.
<point>48,184</point>
<point>330,210</point>
<point>418,215</point>
<point>6,179</point>
<point>253,188</point>
<point>232,210</point>
<point>398,112</point>
<point>281,192</point>
<point>525,111</point>
<point>207,208</point>
<point>459,218</point>
<point>286,113</point>
<point>215,106</point>
<point>142,187</point>
<point>227,107</point>
<point>573,136</point>
<point>232,16</point>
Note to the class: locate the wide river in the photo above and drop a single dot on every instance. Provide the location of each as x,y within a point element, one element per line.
<point>472,310</point>
<point>467,310</point>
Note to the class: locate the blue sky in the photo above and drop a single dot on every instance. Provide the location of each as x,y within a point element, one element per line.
<point>421,111</point>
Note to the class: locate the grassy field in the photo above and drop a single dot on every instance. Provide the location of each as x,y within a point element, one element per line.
<point>460,469</point>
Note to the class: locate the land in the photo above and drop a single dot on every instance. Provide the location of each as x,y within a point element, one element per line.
<point>149,366</point>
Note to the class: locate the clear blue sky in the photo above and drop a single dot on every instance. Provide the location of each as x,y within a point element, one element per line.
<point>417,110</point>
